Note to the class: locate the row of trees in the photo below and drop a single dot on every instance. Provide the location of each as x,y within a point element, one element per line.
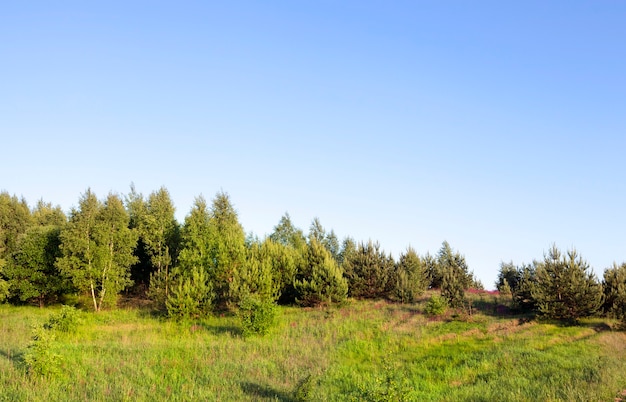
<point>134,244</point>
<point>562,286</point>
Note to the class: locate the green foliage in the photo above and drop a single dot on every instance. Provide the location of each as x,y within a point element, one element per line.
<point>227,249</point>
<point>614,289</point>
<point>436,306</point>
<point>566,289</point>
<point>40,357</point>
<point>257,315</point>
<point>390,386</point>
<point>45,214</point>
<point>4,289</point>
<point>328,240</point>
<point>286,234</point>
<point>97,247</point>
<point>65,320</point>
<point>256,275</point>
<point>191,295</point>
<point>370,272</point>
<point>15,219</point>
<point>455,275</point>
<point>160,236</point>
<point>411,280</point>
<point>321,280</point>
<point>32,273</point>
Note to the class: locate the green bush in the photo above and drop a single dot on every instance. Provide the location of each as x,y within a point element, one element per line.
<point>39,356</point>
<point>435,306</point>
<point>191,296</point>
<point>66,320</point>
<point>257,316</point>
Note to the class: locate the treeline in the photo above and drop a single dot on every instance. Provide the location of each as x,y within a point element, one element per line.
<point>133,244</point>
<point>562,286</point>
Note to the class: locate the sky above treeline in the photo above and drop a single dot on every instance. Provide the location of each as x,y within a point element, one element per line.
<point>497,126</point>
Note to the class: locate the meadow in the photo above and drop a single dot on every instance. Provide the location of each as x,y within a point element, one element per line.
<point>362,350</point>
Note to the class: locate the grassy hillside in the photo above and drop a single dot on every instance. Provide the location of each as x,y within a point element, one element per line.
<point>362,351</point>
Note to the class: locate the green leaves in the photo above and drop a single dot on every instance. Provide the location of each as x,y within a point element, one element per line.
<point>97,246</point>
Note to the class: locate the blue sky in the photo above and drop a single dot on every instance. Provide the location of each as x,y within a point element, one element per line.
<point>497,126</point>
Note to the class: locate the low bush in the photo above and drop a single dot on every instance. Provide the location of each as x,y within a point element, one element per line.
<point>257,316</point>
<point>435,306</point>
<point>66,320</point>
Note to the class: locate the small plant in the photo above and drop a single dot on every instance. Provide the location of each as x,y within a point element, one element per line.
<point>388,387</point>
<point>435,306</point>
<point>257,316</point>
<point>191,296</point>
<point>40,357</point>
<point>304,388</point>
<point>66,320</point>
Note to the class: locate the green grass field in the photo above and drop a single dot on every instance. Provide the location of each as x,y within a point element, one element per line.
<point>361,351</point>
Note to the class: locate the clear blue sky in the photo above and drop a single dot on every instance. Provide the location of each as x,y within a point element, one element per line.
<point>498,126</point>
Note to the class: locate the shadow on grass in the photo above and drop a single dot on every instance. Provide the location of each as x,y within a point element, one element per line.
<point>222,329</point>
<point>16,358</point>
<point>263,391</point>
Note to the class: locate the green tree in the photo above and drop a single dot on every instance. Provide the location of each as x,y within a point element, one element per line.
<point>97,248</point>
<point>32,273</point>
<point>286,234</point>
<point>321,280</point>
<point>433,272</point>
<point>614,289</point>
<point>227,247</point>
<point>255,277</point>
<point>159,234</point>
<point>455,275</point>
<point>348,248</point>
<point>411,279</point>
<point>195,248</point>
<point>369,271</point>
<point>328,240</point>
<point>566,289</point>
<point>45,214</point>
<point>15,219</point>
<point>191,295</point>
<point>519,282</point>
<point>4,285</point>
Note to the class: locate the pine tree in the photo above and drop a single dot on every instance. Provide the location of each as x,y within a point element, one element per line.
<point>191,294</point>
<point>321,280</point>
<point>369,271</point>
<point>455,275</point>
<point>566,289</point>
<point>411,280</point>
<point>226,247</point>
<point>195,238</point>
<point>614,289</point>
<point>256,276</point>
<point>159,234</point>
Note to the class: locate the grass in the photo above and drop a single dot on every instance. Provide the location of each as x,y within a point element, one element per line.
<point>362,351</point>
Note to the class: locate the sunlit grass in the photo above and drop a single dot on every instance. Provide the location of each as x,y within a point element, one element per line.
<point>361,351</point>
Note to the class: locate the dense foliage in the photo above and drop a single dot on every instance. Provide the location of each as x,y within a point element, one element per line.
<point>135,245</point>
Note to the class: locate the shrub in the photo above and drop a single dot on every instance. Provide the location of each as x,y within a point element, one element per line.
<point>39,356</point>
<point>66,320</point>
<point>191,296</point>
<point>304,389</point>
<point>435,306</point>
<point>257,316</point>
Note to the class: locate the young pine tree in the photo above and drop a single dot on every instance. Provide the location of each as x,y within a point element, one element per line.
<point>566,289</point>
<point>321,280</point>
